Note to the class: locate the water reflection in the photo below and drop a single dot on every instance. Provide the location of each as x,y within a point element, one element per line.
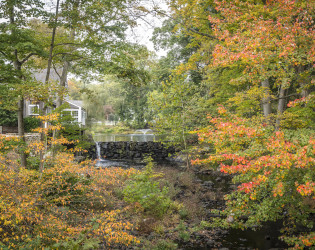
<point>120,137</point>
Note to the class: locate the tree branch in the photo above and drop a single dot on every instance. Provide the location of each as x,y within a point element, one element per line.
<point>279,98</point>
<point>3,53</point>
<point>58,44</point>
<point>65,53</point>
<point>56,70</point>
<point>190,29</point>
<point>203,34</point>
<point>16,56</point>
<point>27,57</point>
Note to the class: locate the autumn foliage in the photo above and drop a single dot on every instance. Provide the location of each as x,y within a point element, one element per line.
<point>269,40</point>
<point>64,204</point>
<point>274,173</point>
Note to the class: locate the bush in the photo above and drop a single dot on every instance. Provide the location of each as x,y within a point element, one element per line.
<point>31,123</point>
<point>183,232</point>
<point>63,205</point>
<point>73,132</point>
<point>165,245</point>
<point>144,189</point>
<point>33,162</point>
<point>8,118</point>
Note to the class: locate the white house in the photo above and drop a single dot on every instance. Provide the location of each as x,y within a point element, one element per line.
<point>76,109</point>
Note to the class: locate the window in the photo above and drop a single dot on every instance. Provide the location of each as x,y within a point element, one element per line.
<point>75,113</point>
<point>34,109</point>
<point>66,113</point>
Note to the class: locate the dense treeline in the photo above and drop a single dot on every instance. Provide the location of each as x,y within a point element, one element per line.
<point>238,76</point>
<point>255,59</point>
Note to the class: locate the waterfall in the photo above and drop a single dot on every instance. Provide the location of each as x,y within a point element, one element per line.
<point>144,131</point>
<point>106,163</point>
<point>98,151</point>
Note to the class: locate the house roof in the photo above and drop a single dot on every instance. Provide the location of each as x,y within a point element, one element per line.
<point>75,103</point>
<point>40,75</point>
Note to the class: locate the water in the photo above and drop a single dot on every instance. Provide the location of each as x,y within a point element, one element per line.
<point>101,163</point>
<point>144,131</point>
<point>121,137</point>
<point>262,238</point>
<point>107,163</point>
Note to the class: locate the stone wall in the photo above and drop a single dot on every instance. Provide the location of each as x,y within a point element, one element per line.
<point>29,137</point>
<point>7,130</point>
<point>131,150</point>
<point>32,137</point>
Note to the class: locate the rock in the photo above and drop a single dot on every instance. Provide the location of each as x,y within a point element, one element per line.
<point>218,179</point>
<point>208,184</point>
<point>132,150</point>
<point>230,219</point>
<point>210,243</point>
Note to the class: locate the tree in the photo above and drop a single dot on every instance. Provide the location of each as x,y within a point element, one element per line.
<point>177,44</point>
<point>18,45</point>
<point>274,172</point>
<point>180,97</point>
<point>272,42</point>
<point>125,101</point>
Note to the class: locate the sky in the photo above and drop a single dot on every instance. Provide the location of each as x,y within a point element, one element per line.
<point>143,32</point>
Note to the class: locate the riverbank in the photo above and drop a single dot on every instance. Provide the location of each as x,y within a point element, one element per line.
<point>195,194</point>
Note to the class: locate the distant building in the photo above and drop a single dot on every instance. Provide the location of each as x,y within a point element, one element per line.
<point>75,109</point>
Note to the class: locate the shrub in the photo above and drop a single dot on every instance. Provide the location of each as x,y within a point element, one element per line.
<point>165,245</point>
<point>183,232</point>
<point>8,118</point>
<point>61,205</point>
<point>144,189</point>
<point>31,123</point>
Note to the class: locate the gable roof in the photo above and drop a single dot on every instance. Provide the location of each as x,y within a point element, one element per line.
<point>40,75</point>
<point>75,103</point>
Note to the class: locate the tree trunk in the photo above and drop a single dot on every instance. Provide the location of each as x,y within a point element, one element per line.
<point>65,69</point>
<point>305,91</point>
<point>18,66</point>
<point>63,80</point>
<point>49,63</point>
<point>52,44</point>
<point>280,106</point>
<point>21,130</point>
<point>266,104</point>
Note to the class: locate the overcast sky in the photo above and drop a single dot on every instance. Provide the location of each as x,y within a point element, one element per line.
<point>143,32</point>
